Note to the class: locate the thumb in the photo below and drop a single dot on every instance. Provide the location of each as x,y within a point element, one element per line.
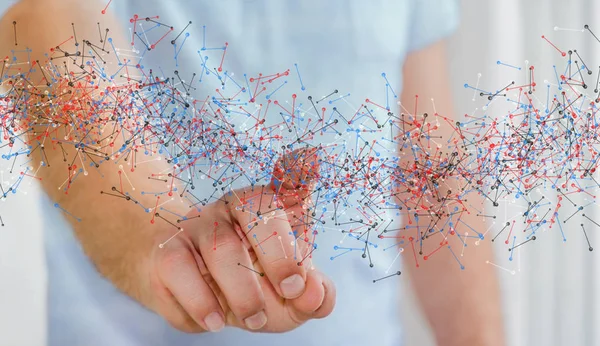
<point>318,299</point>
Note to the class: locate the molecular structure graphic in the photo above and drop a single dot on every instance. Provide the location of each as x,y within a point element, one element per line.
<point>364,167</point>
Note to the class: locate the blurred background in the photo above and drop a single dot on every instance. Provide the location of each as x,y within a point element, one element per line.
<point>550,299</point>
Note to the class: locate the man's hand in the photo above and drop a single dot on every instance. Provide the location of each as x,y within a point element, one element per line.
<point>241,261</point>
<point>204,275</point>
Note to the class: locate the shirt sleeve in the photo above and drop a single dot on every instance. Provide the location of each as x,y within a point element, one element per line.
<point>432,20</point>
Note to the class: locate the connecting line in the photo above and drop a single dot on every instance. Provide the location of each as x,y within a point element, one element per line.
<point>389,276</point>
<point>252,270</point>
<point>372,166</point>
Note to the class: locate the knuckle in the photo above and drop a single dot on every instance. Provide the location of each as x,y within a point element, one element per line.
<point>227,240</point>
<point>281,267</point>
<point>249,306</point>
<point>198,305</point>
<point>225,252</point>
<point>170,259</point>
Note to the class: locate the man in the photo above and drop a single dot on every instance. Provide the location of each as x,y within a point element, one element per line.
<point>337,44</point>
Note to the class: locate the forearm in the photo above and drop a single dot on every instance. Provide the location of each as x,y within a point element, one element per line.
<point>461,304</point>
<point>457,290</point>
<point>112,230</point>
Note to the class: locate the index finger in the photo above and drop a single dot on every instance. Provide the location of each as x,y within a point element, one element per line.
<point>295,175</point>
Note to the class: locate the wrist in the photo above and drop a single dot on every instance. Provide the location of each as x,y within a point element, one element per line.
<point>129,267</point>
<point>143,275</point>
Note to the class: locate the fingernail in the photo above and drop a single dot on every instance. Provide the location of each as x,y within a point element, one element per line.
<point>214,322</point>
<point>292,287</point>
<point>256,321</point>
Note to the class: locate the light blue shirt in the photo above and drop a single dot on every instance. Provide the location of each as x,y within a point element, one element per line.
<point>337,44</point>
